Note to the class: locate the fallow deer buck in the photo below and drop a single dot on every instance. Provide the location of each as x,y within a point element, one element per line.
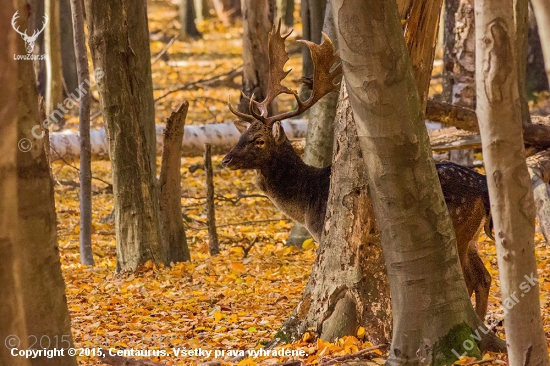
<point>301,191</point>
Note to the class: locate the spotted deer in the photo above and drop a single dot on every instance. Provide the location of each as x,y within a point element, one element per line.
<point>301,191</point>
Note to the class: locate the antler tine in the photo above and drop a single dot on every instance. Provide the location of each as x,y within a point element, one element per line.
<point>278,57</point>
<point>324,58</point>
<point>243,116</point>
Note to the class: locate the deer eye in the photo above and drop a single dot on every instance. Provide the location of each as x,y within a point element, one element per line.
<point>259,142</point>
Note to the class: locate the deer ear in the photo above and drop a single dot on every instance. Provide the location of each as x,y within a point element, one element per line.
<point>241,125</point>
<point>278,132</point>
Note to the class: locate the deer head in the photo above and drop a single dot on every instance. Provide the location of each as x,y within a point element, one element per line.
<point>263,135</point>
<point>29,40</point>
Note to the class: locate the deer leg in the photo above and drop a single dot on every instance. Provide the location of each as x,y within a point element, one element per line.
<point>481,281</point>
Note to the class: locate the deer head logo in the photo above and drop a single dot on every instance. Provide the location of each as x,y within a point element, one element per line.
<point>29,40</point>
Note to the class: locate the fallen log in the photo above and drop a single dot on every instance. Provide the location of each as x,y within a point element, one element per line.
<point>539,170</point>
<point>222,137</point>
<point>536,133</point>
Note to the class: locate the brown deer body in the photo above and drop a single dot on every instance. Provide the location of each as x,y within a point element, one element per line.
<point>301,191</point>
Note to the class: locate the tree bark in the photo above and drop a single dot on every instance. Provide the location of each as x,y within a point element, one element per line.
<point>421,37</point>
<point>449,56</point>
<point>348,285</point>
<point>54,74</point>
<point>257,22</point>
<point>285,11</point>
<point>213,243</point>
<point>86,256</point>
<point>68,54</point>
<point>521,22</point>
<point>416,231</point>
<point>12,314</point>
<point>41,268</point>
<point>512,204</point>
<point>541,8</point>
<point>539,171</point>
<point>320,133</point>
<point>170,188</point>
<point>127,102</point>
<point>536,80</point>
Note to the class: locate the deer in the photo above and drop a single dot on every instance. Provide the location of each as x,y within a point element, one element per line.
<point>301,191</point>
<point>29,40</point>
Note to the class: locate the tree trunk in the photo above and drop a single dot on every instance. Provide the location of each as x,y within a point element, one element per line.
<point>257,23</point>
<point>41,268</point>
<point>127,102</point>
<point>312,13</point>
<point>463,89</point>
<point>421,37</point>
<point>449,56</point>
<point>541,8</point>
<point>348,285</point>
<point>285,11</point>
<point>36,19</point>
<point>79,46</point>
<point>521,22</point>
<point>12,314</point>
<point>536,75</point>
<point>320,133</point>
<point>213,243</point>
<point>228,11</point>
<point>187,20</point>
<point>539,171</point>
<point>170,188</point>
<point>68,54</point>
<point>416,231</point>
<point>512,203</point>
<point>54,74</point>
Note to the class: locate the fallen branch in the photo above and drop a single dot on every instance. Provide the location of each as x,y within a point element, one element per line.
<point>480,362</point>
<point>246,250</point>
<point>163,51</point>
<point>329,361</point>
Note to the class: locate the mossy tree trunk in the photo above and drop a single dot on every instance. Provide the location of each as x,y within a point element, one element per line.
<point>510,191</point>
<point>416,231</point>
<point>119,43</point>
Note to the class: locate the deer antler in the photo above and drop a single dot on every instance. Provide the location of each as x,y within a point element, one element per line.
<point>14,25</point>
<point>323,57</point>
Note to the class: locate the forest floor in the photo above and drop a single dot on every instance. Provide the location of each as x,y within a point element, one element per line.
<point>229,302</point>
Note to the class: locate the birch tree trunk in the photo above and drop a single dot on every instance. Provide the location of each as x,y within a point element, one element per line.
<point>43,286</point>
<point>127,102</point>
<point>86,256</point>
<point>541,8</point>
<point>416,231</point>
<point>12,314</point>
<point>510,191</point>
<point>257,22</point>
<point>348,285</point>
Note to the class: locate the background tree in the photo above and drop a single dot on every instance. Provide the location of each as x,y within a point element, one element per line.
<point>512,203</point>
<point>536,79</point>
<point>54,74</point>
<point>187,15</point>
<point>541,8</point>
<point>127,102</point>
<point>285,11</point>
<point>312,13</point>
<point>77,23</point>
<point>404,187</point>
<point>68,55</point>
<point>41,279</point>
<point>257,22</point>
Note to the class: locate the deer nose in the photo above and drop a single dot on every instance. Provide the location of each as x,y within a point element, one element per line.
<point>226,161</point>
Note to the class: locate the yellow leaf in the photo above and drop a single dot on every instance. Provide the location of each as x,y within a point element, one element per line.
<point>238,267</point>
<point>361,333</point>
<point>308,243</point>
<point>218,316</point>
